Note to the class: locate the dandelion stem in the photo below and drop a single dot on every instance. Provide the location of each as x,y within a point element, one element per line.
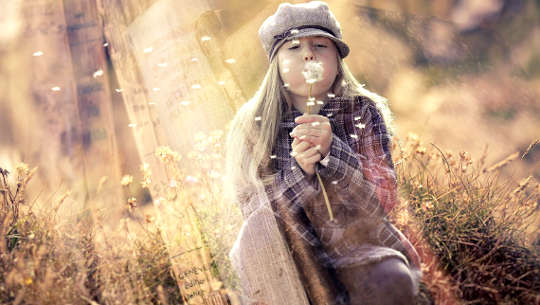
<point>317,170</point>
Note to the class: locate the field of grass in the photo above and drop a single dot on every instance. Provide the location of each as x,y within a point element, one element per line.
<point>472,229</point>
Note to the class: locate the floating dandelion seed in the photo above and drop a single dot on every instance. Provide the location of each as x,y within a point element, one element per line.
<point>191,179</point>
<point>356,118</point>
<point>221,83</point>
<point>360,125</point>
<point>194,59</point>
<point>106,44</point>
<point>354,136</point>
<point>205,38</point>
<point>118,90</point>
<point>132,125</point>
<point>155,89</point>
<point>331,95</point>
<point>334,182</point>
<point>97,74</point>
<point>320,102</point>
<point>214,174</point>
<point>55,88</point>
<point>126,180</point>
<point>230,61</point>
<point>293,167</point>
<point>184,103</point>
<point>162,64</point>
<point>329,115</point>
<point>286,85</point>
<point>257,118</point>
<point>313,71</point>
<point>148,50</point>
<point>158,201</point>
<point>196,86</point>
<point>273,156</point>
<point>38,53</point>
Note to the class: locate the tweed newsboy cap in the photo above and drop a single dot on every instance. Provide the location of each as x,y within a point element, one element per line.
<point>292,21</point>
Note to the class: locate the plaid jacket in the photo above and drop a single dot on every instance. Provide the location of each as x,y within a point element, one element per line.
<point>361,184</point>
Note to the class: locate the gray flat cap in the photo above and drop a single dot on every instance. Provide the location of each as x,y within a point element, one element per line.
<point>292,21</point>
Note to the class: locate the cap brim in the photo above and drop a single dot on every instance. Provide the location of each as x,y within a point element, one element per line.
<point>342,47</point>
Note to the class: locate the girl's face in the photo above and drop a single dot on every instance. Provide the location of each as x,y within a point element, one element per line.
<point>293,55</point>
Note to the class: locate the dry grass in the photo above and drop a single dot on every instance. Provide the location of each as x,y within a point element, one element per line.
<point>474,223</point>
<point>468,226</point>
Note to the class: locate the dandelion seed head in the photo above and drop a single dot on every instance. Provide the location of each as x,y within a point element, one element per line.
<point>313,71</point>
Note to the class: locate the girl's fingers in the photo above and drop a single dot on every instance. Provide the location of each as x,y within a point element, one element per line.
<point>312,155</point>
<point>301,147</point>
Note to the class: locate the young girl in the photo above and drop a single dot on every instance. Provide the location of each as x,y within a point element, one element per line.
<point>315,188</point>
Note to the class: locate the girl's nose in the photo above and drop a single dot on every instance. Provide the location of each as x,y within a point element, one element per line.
<point>308,53</point>
<point>309,57</point>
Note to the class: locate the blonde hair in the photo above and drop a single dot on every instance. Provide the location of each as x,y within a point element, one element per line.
<point>254,129</point>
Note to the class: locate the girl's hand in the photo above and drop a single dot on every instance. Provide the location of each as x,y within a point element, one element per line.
<point>306,155</point>
<point>316,130</point>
